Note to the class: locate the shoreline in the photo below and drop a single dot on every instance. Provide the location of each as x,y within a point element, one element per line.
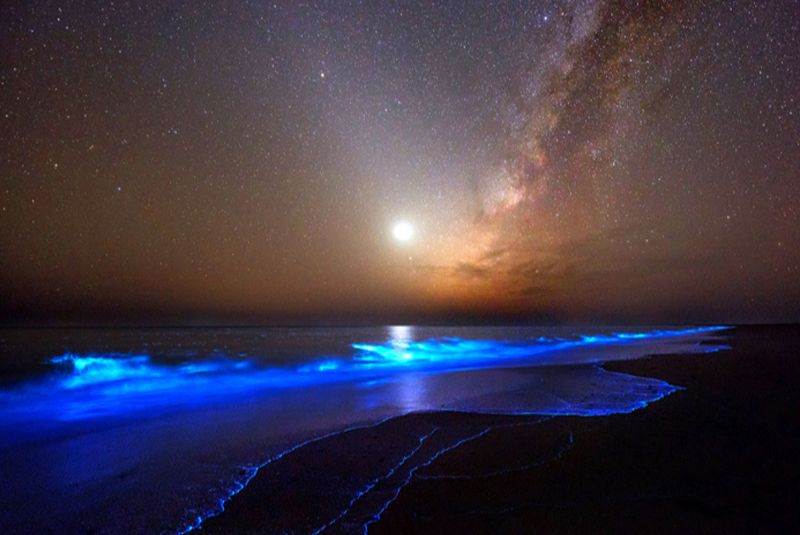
<point>655,459</point>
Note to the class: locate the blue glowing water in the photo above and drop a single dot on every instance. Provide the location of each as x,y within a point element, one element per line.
<point>100,422</point>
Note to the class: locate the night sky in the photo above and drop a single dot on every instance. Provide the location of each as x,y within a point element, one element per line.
<point>245,162</point>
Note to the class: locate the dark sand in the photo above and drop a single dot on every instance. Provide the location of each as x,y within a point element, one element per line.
<point>720,456</point>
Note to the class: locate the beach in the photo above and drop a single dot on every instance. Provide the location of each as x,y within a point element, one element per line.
<point>401,429</point>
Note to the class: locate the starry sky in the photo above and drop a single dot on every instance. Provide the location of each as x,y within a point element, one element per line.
<point>582,160</point>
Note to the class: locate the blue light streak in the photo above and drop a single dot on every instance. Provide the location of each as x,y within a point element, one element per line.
<point>412,472</point>
<point>252,471</point>
<point>372,484</point>
<point>457,351</point>
<point>112,384</point>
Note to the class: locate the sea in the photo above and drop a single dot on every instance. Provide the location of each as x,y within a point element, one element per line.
<point>154,430</point>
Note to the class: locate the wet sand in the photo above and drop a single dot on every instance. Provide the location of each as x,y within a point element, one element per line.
<point>720,456</point>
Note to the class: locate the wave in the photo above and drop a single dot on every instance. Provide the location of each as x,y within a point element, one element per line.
<point>98,368</point>
<point>91,385</point>
<point>397,354</point>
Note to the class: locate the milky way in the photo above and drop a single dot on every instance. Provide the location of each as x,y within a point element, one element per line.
<point>577,160</point>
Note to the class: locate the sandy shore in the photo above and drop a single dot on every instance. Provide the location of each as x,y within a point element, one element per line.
<point>719,456</point>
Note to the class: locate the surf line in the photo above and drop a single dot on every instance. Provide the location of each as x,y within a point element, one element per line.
<point>197,523</point>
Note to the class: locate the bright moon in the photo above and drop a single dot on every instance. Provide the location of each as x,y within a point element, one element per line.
<point>403,231</point>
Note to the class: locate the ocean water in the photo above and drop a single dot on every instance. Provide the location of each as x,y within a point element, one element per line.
<point>152,430</point>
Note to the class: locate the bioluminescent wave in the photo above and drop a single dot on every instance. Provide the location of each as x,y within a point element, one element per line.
<point>457,352</point>
<point>84,370</point>
<point>92,385</point>
<point>99,430</point>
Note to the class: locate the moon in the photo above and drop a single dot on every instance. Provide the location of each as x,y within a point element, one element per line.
<point>403,231</point>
